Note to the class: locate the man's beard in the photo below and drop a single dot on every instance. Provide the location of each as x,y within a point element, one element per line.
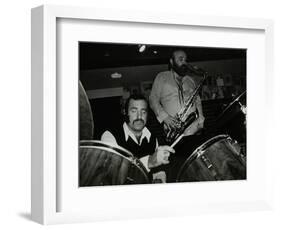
<point>180,70</point>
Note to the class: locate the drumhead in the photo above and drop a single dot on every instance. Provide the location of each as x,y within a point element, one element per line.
<point>103,165</point>
<point>114,147</point>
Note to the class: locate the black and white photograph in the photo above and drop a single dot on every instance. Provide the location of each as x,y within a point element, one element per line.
<point>151,114</point>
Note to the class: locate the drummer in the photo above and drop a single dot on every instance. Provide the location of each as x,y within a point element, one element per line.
<point>135,136</point>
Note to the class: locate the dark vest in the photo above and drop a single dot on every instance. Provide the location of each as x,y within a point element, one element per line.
<point>146,148</point>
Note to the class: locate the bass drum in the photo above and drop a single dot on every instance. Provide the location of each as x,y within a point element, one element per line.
<point>216,159</point>
<point>103,164</point>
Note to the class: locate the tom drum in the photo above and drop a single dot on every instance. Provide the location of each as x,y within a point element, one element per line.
<point>218,158</point>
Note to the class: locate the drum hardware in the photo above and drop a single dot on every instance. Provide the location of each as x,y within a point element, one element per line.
<point>210,166</point>
<point>235,145</point>
<point>239,149</point>
<point>207,162</point>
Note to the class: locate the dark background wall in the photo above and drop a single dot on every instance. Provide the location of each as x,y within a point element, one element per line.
<point>98,61</point>
<point>133,75</point>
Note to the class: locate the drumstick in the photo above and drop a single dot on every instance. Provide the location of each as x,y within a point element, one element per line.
<point>177,140</point>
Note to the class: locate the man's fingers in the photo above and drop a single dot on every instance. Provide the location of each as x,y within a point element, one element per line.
<point>165,161</point>
<point>167,148</point>
<point>164,157</point>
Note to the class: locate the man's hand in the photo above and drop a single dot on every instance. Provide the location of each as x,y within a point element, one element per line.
<point>161,156</point>
<point>170,122</point>
<point>159,177</point>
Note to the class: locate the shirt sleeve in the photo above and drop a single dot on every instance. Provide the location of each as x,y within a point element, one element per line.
<point>144,160</point>
<point>154,99</point>
<point>108,137</point>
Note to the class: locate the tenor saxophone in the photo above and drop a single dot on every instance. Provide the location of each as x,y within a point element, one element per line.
<point>183,118</point>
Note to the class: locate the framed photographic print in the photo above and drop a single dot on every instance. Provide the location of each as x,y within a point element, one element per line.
<point>122,120</point>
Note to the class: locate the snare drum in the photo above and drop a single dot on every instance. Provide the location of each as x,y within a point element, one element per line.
<point>103,164</point>
<point>216,159</point>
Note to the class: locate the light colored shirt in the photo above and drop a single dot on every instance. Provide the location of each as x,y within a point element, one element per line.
<point>165,98</point>
<point>108,137</point>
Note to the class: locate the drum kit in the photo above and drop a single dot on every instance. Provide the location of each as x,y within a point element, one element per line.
<point>219,157</point>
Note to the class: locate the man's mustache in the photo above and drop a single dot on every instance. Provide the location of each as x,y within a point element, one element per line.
<point>138,120</point>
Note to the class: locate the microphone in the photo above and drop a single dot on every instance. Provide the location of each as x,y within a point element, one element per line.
<point>195,69</point>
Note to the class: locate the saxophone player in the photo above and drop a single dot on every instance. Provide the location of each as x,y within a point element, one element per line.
<point>170,90</point>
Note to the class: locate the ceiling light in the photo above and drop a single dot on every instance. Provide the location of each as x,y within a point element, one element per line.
<point>142,48</point>
<point>116,75</point>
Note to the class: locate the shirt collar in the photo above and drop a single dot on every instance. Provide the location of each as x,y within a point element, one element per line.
<point>128,133</point>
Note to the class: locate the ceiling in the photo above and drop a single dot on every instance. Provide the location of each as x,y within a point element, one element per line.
<point>108,55</point>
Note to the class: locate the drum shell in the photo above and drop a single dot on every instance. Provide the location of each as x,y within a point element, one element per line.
<point>183,151</point>
<point>104,166</point>
<point>221,154</point>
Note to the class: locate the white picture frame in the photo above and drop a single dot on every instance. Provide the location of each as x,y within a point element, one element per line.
<point>46,183</point>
